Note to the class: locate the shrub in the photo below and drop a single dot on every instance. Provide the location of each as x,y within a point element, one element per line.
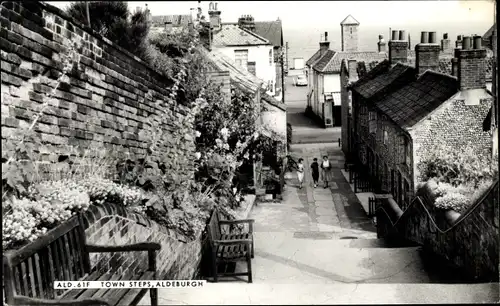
<point>455,201</point>
<point>113,20</point>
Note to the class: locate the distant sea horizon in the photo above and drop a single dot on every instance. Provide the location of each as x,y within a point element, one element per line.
<point>303,43</point>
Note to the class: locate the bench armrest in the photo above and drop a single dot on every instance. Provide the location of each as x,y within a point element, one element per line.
<point>24,300</point>
<point>232,241</point>
<point>143,246</point>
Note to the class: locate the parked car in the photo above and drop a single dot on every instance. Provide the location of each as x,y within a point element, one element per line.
<point>301,80</point>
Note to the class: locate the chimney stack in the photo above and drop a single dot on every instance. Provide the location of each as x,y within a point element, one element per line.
<point>398,48</point>
<point>324,45</point>
<point>458,43</point>
<point>445,43</point>
<point>427,53</point>
<point>381,44</point>
<point>214,14</point>
<point>471,63</point>
<point>352,67</point>
<point>247,22</point>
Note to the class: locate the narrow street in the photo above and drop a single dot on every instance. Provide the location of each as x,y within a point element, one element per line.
<point>317,246</point>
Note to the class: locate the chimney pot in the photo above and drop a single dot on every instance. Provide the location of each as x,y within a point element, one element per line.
<point>432,37</point>
<point>424,37</point>
<point>466,43</point>
<point>445,36</point>
<point>326,36</point>
<point>477,42</point>
<point>402,35</point>
<point>395,35</point>
<point>380,37</point>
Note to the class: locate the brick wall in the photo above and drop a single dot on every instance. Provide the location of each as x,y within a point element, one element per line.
<point>105,101</point>
<point>471,243</point>
<point>454,125</point>
<point>113,225</point>
<point>344,98</point>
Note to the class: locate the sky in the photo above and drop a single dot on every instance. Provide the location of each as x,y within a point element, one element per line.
<point>312,14</point>
<point>305,21</point>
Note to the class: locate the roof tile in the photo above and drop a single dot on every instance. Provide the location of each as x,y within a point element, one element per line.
<point>335,63</point>
<point>411,103</point>
<point>232,35</point>
<point>271,30</point>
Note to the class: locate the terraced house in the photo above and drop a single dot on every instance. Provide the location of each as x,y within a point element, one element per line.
<point>352,69</point>
<point>399,112</point>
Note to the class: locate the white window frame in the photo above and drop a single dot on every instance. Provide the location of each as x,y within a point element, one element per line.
<point>241,61</point>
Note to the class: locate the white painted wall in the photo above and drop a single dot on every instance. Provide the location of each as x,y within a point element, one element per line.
<point>259,55</point>
<point>274,119</point>
<point>331,83</point>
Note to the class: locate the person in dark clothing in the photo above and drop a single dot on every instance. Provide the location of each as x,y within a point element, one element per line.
<point>315,172</point>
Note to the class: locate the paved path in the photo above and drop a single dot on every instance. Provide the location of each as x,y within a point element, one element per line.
<point>305,255</point>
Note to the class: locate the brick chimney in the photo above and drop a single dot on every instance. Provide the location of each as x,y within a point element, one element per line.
<point>471,68</point>
<point>247,22</point>
<point>445,43</point>
<point>324,45</point>
<point>398,48</point>
<point>458,42</point>
<point>427,53</point>
<point>352,66</point>
<point>381,44</point>
<point>214,14</point>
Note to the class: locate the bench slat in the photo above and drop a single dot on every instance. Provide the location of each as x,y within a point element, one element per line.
<point>36,279</point>
<point>73,294</point>
<point>133,296</point>
<point>46,273</point>
<point>114,295</point>
<point>90,292</point>
<point>77,251</point>
<point>56,267</point>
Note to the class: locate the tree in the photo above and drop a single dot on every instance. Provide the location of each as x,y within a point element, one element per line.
<point>113,20</point>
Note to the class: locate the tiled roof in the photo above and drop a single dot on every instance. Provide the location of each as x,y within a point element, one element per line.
<point>378,80</point>
<point>176,20</point>
<point>271,30</point>
<point>487,37</point>
<point>322,61</point>
<point>411,103</point>
<point>334,65</point>
<point>232,35</point>
<point>349,20</point>
<point>365,67</point>
<point>313,58</point>
<point>239,76</point>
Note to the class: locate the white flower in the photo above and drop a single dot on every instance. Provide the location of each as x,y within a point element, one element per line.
<point>224,132</point>
<point>226,146</point>
<point>238,144</point>
<point>255,135</point>
<point>197,155</point>
<point>198,134</point>
<point>246,156</point>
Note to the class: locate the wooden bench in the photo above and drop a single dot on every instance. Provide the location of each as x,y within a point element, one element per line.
<point>63,255</point>
<point>227,248</point>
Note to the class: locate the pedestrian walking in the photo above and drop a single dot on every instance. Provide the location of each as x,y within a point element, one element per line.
<point>315,172</point>
<point>300,172</point>
<point>325,170</point>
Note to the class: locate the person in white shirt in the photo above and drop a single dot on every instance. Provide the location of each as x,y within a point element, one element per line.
<point>300,172</point>
<point>325,170</point>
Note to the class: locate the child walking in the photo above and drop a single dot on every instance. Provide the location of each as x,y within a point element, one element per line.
<point>315,172</point>
<point>300,172</point>
<point>325,167</point>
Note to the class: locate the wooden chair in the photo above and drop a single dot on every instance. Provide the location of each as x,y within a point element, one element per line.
<point>227,248</point>
<point>63,255</point>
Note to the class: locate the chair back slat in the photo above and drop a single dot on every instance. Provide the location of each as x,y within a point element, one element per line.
<point>60,255</point>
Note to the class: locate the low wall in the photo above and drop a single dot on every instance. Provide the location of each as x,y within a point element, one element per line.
<point>111,224</point>
<point>471,243</point>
